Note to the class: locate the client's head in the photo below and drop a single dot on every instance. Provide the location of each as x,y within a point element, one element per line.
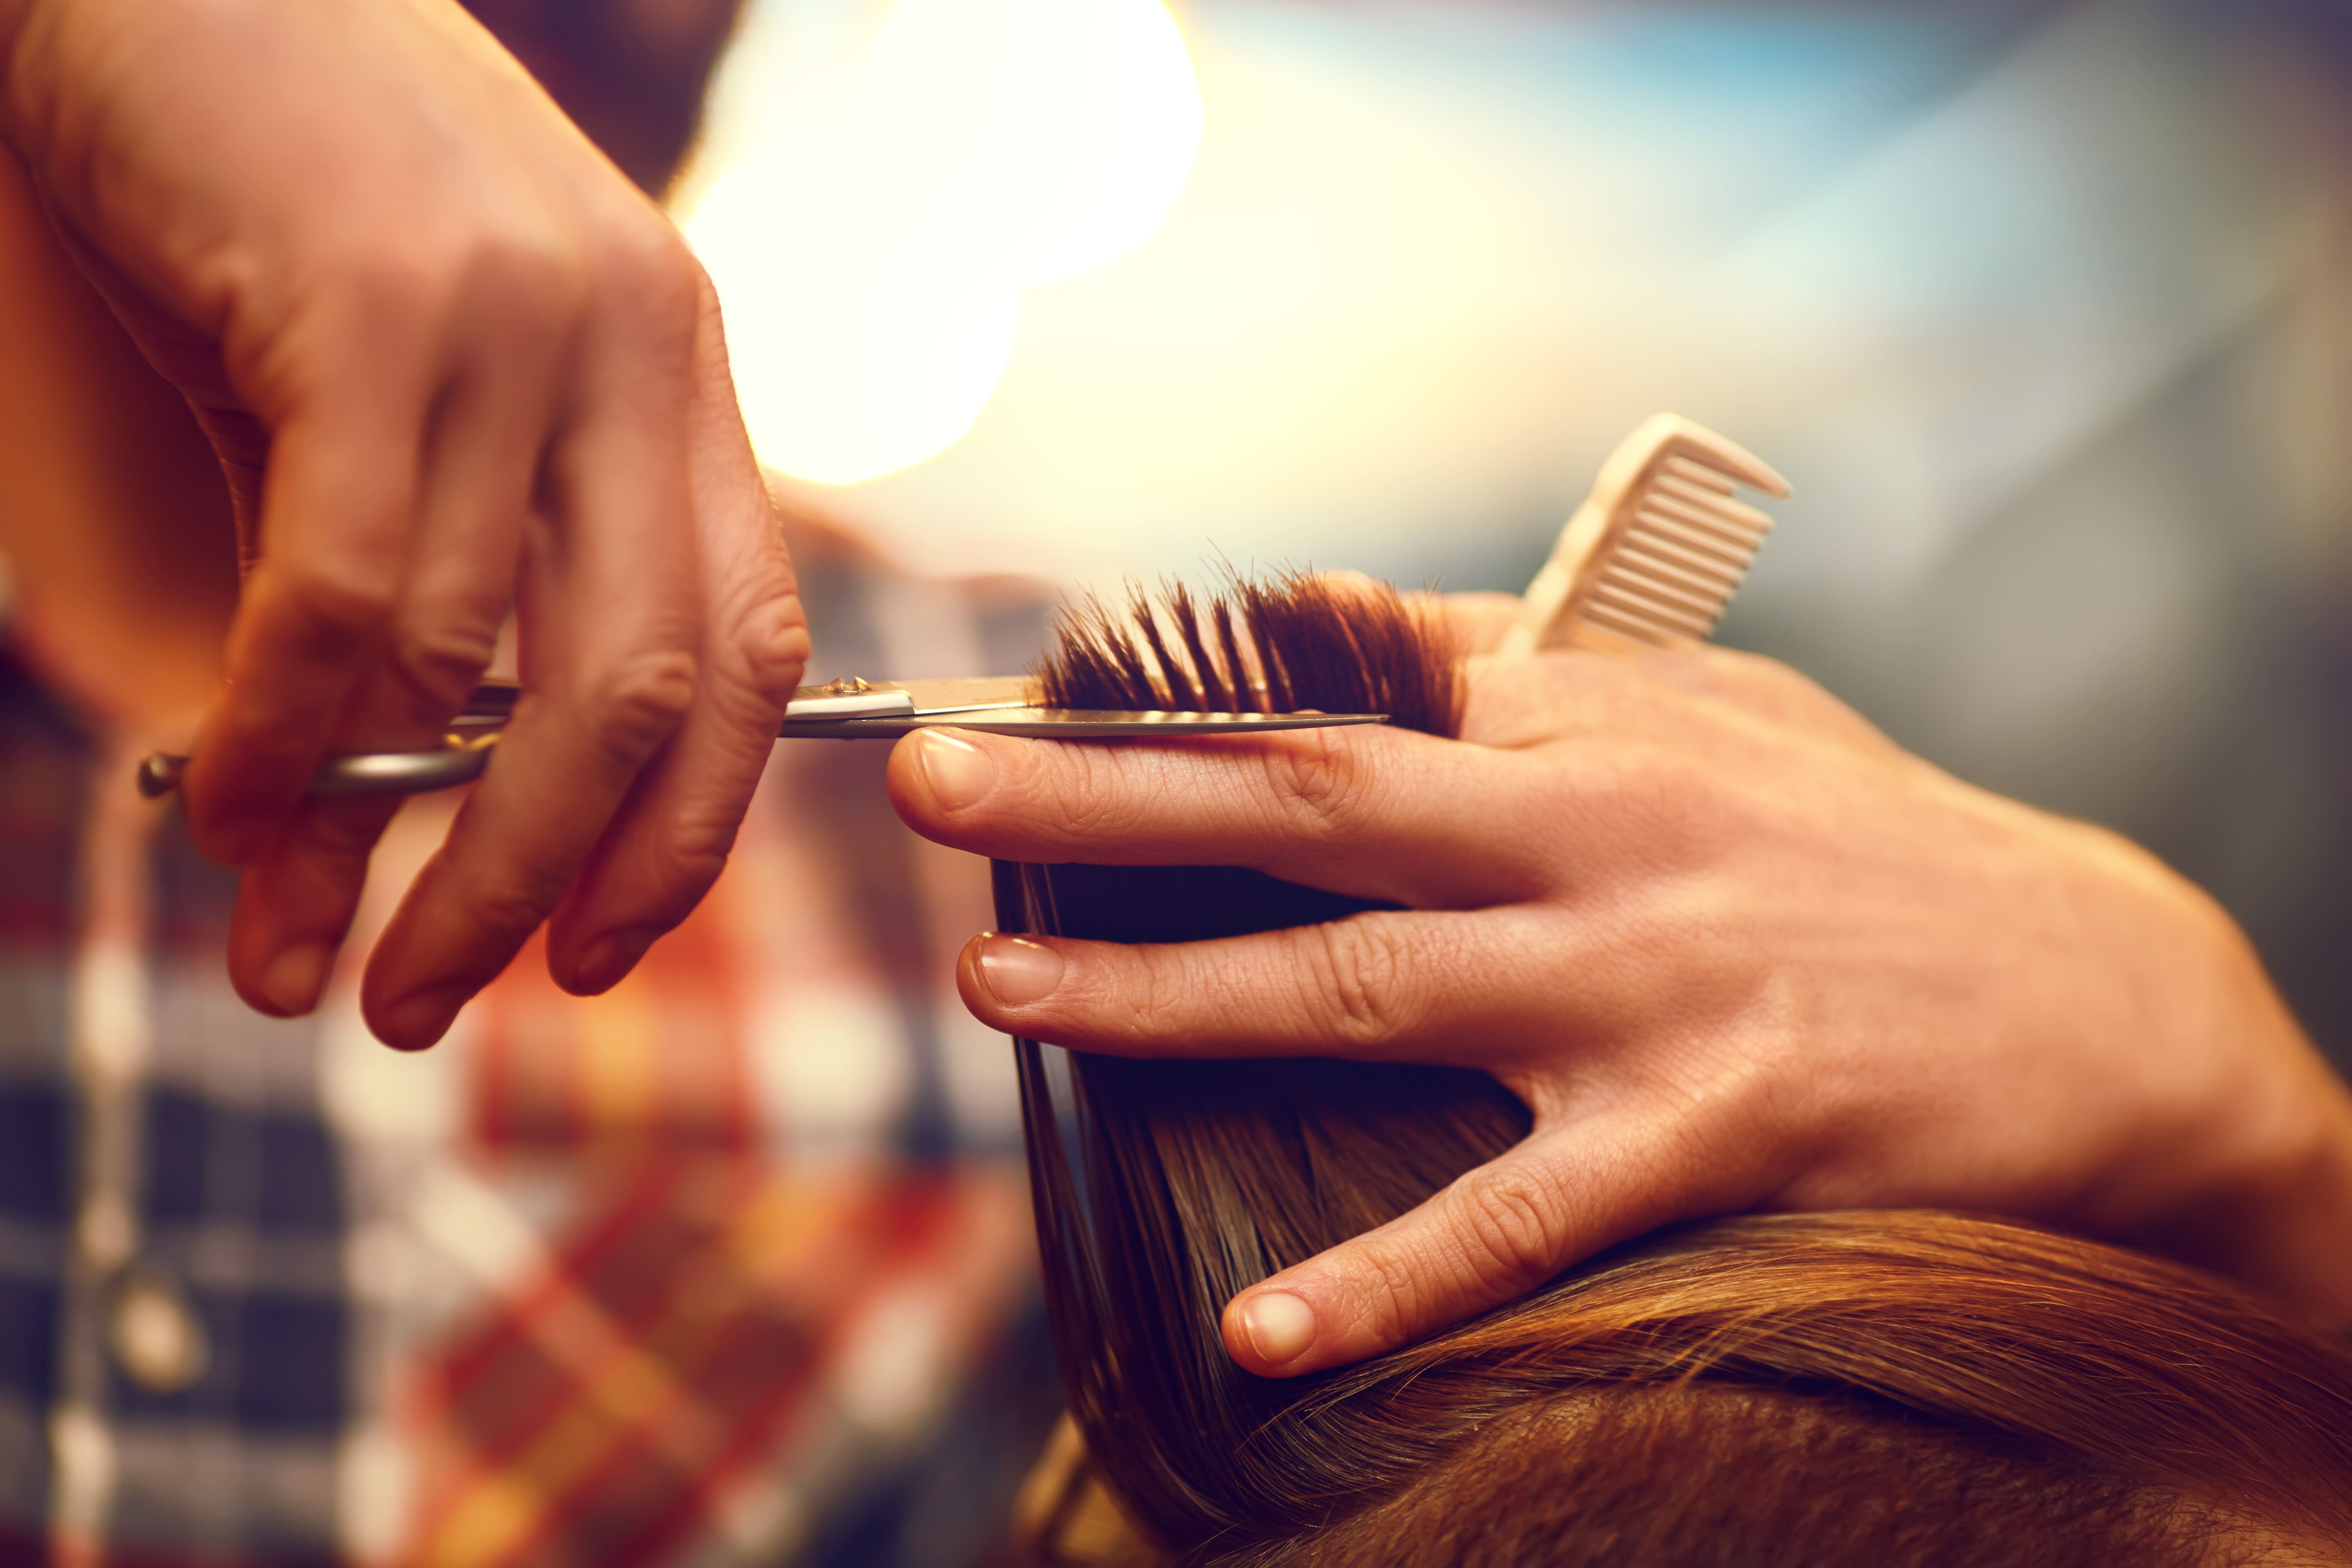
<point>1879,1388</point>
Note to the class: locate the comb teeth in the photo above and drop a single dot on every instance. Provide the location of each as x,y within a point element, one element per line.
<point>1657,548</point>
<point>1681,557</point>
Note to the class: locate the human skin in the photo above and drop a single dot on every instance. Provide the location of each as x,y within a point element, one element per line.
<point>450,362</point>
<point>113,521</point>
<point>1733,948</point>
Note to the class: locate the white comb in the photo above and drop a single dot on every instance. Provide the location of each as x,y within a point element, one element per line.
<point>1657,549</point>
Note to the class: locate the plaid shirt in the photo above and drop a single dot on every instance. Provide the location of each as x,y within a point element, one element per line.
<point>729,1266</point>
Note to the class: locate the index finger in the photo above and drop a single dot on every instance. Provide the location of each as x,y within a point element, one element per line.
<point>1495,1232</point>
<point>334,544</point>
<point>611,609</point>
<point>1363,810</point>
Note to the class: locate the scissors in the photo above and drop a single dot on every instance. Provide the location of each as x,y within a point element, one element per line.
<point>849,708</point>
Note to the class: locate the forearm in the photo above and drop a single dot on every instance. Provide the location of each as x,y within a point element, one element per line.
<point>2261,1148</point>
<point>2317,1227</point>
<point>2229,1137</point>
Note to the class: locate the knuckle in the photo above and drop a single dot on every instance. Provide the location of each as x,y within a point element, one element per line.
<point>440,662</point>
<point>772,640</point>
<point>646,262</point>
<point>353,594</point>
<point>527,277</point>
<point>1736,669</point>
<point>472,275</point>
<point>690,855</point>
<point>397,279</point>
<point>1511,1223</point>
<point>635,705</point>
<point>1154,1003</point>
<point>1319,783</point>
<point>1639,775</point>
<point>1398,1302</point>
<point>506,911</point>
<point>687,865</point>
<point>528,324</point>
<point>1081,790</point>
<point>1356,972</point>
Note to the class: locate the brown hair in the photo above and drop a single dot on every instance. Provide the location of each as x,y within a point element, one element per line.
<point>1879,1388</point>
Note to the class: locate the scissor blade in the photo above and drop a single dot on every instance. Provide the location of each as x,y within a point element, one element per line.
<point>815,709</point>
<point>413,773</point>
<point>1067,723</point>
<point>853,699</point>
<point>984,692</point>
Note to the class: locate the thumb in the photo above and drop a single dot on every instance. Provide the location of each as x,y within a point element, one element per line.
<point>1493,1235</point>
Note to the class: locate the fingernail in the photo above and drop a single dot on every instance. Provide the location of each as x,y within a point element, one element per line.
<point>1280,1326</point>
<point>422,1017</point>
<point>291,983</point>
<point>1018,973</point>
<point>957,771</point>
<point>609,960</point>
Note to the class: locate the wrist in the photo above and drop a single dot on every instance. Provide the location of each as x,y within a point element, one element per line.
<point>2276,1210</point>
<point>2242,1159</point>
<point>2305,1248</point>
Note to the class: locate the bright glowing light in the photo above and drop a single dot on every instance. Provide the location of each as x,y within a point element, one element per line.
<point>870,245</point>
<point>856,351</point>
<point>1055,133</point>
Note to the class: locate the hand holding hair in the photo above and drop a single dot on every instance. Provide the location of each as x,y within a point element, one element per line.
<point>1732,948</point>
<point>451,362</point>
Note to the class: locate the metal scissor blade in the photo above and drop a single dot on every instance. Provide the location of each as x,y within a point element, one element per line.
<point>492,702</point>
<point>842,710</point>
<point>854,709</point>
<point>1067,723</point>
<point>814,709</point>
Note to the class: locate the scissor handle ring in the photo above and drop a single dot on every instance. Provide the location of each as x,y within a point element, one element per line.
<point>358,773</point>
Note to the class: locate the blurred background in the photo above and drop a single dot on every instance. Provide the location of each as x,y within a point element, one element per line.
<point>2044,309</point>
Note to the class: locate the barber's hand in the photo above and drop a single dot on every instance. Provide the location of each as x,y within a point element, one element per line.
<point>1733,948</point>
<point>451,362</point>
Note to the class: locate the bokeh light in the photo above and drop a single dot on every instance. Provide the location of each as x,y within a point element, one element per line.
<point>879,197</point>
